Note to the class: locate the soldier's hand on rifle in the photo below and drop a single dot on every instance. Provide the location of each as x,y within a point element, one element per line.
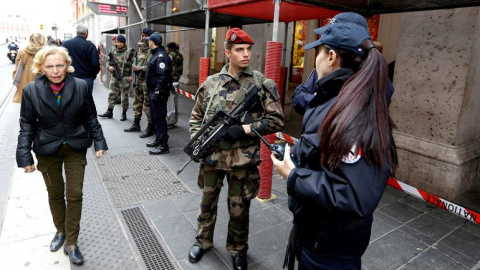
<point>129,79</point>
<point>110,68</point>
<point>234,133</point>
<point>137,68</point>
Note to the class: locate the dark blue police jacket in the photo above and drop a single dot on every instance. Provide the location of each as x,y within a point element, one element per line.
<point>159,72</point>
<point>304,92</point>
<point>323,201</point>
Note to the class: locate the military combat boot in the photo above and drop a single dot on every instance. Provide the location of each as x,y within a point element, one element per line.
<point>124,115</point>
<point>134,127</point>
<point>108,114</point>
<point>147,132</point>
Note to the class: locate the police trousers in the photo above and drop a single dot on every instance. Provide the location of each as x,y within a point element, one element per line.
<point>64,197</point>
<point>243,186</point>
<point>336,252</point>
<point>158,112</point>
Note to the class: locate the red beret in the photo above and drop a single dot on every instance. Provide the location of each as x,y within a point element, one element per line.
<point>238,36</point>
<point>114,37</point>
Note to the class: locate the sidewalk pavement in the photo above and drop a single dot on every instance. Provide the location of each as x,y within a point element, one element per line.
<point>137,214</point>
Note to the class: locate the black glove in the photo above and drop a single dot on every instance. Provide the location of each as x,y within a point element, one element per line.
<point>234,133</point>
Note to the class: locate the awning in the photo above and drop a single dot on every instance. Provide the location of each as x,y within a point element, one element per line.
<point>113,31</point>
<point>244,12</point>
<point>196,19</point>
<point>264,9</point>
<point>371,7</point>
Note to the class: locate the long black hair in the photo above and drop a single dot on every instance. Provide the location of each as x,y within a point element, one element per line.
<point>360,115</point>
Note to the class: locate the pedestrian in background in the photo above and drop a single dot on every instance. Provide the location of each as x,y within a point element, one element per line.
<point>159,83</point>
<point>58,122</point>
<point>177,71</point>
<point>239,152</point>
<point>26,55</point>
<point>123,58</point>
<point>140,100</point>
<point>345,154</point>
<point>84,55</point>
<point>50,40</point>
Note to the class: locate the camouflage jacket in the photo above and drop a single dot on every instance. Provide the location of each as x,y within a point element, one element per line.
<point>124,59</point>
<point>142,58</point>
<point>222,91</point>
<point>177,60</point>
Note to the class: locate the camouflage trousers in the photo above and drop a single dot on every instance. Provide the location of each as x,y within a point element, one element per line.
<point>243,186</point>
<point>140,99</point>
<point>116,90</point>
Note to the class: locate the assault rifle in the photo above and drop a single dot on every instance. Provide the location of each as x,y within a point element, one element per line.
<point>116,73</point>
<point>135,73</point>
<point>206,139</point>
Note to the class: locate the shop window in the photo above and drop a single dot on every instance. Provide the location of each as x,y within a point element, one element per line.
<point>298,54</point>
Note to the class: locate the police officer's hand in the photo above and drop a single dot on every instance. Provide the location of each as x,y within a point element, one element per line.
<point>285,166</point>
<point>234,133</point>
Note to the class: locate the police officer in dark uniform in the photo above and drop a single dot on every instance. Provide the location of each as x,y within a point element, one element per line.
<point>346,153</point>
<point>159,83</point>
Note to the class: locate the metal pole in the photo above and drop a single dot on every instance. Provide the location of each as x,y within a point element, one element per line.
<point>138,10</point>
<point>276,15</point>
<point>205,44</point>
<point>285,39</point>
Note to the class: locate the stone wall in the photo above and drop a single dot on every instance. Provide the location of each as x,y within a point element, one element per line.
<point>436,100</point>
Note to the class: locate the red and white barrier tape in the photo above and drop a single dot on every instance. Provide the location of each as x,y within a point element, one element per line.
<point>437,201</point>
<point>181,92</point>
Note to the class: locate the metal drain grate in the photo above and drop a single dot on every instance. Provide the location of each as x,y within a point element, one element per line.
<point>152,252</point>
<point>138,177</point>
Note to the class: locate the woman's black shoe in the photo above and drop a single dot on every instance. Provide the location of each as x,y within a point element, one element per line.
<point>75,255</point>
<point>57,242</point>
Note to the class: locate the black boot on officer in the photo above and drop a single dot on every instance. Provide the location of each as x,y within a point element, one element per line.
<point>161,149</point>
<point>135,126</point>
<point>147,132</point>
<point>124,115</point>
<point>108,114</point>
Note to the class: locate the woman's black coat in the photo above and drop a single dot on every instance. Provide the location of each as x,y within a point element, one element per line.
<point>46,125</point>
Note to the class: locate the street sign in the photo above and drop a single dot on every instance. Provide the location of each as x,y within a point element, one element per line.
<point>108,9</point>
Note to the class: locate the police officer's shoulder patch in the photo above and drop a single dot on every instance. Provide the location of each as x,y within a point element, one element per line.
<point>353,156</point>
<point>162,65</point>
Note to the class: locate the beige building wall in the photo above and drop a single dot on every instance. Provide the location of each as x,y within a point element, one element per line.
<point>436,100</point>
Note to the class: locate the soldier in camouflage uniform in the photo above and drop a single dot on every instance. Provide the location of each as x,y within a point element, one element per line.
<point>140,100</point>
<point>124,58</point>
<point>239,153</point>
<point>177,71</point>
<point>112,49</point>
